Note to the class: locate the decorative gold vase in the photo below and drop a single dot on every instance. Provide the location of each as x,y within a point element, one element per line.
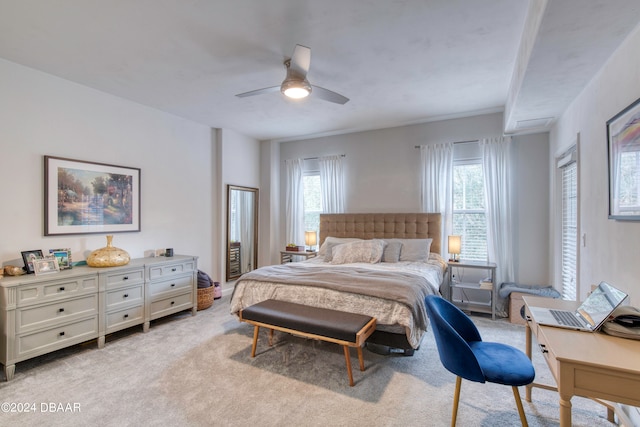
<point>108,256</point>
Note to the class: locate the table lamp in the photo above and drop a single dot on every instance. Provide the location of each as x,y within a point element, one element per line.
<point>310,239</point>
<point>454,247</point>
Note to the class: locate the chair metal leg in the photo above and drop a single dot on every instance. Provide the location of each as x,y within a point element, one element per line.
<point>516,395</point>
<point>456,399</point>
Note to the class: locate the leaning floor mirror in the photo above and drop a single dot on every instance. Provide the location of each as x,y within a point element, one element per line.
<point>242,230</point>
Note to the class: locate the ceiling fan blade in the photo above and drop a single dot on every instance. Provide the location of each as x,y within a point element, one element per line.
<point>328,95</point>
<point>301,60</point>
<point>259,91</point>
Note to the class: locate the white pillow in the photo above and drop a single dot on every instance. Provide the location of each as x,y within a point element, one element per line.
<point>332,241</point>
<point>367,251</point>
<point>415,250</point>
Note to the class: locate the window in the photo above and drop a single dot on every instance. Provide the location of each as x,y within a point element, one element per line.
<point>569,246</point>
<point>469,218</point>
<point>312,201</point>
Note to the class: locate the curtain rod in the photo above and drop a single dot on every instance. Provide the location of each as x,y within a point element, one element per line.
<point>316,158</point>
<point>459,142</point>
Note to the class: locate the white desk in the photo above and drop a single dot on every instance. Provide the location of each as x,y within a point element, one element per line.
<point>592,365</point>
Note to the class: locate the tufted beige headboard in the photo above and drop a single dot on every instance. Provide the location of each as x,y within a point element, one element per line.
<point>383,226</point>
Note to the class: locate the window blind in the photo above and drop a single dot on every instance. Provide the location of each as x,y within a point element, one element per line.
<point>569,228</point>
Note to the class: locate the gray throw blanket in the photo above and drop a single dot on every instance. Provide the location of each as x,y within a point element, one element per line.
<point>408,289</point>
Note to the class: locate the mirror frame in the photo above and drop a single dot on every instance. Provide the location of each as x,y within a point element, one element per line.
<point>254,262</point>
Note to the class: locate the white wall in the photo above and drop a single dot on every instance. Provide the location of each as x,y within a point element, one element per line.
<point>44,115</point>
<point>611,251</point>
<point>239,164</point>
<point>382,174</point>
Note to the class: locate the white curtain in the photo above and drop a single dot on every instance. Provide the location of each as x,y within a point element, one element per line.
<point>495,163</point>
<point>332,184</point>
<point>295,202</point>
<point>437,185</point>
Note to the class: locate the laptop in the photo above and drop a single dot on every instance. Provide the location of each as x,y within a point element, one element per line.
<point>591,314</point>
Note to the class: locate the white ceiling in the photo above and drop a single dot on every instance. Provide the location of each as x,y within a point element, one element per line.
<point>399,61</point>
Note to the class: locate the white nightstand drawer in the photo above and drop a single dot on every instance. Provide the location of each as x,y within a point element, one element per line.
<point>57,312</point>
<point>125,296</point>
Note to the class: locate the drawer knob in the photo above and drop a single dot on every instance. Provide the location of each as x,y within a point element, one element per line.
<point>62,333</point>
<point>173,284</point>
<point>125,278</point>
<point>173,269</point>
<point>126,315</point>
<point>61,288</point>
<point>60,310</point>
<point>173,302</point>
<point>126,295</point>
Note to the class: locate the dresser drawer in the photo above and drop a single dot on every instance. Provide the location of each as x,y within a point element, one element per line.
<point>55,313</point>
<point>165,270</point>
<point>121,319</point>
<point>170,305</point>
<point>125,296</point>
<point>177,284</point>
<point>54,338</point>
<point>124,278</point>
<point>56,289</point>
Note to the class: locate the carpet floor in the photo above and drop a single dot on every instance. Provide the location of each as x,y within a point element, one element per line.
<point>197,371</point>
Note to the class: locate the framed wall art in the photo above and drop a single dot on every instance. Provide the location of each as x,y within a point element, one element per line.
<point>29,257</point>
<point>87,197</point>
<point>46,266</point>
<point>63,256</point>
<point>623,144</point>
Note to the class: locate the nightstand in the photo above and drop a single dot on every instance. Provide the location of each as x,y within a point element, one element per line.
<point>462,286</point>
<point>287,256</point>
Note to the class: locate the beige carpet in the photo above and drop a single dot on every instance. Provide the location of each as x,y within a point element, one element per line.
<point>197,371</point>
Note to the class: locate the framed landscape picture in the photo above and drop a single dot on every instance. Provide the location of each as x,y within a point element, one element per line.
<point>623,143</point>
<point>87,197</point>
<point>63,256</point>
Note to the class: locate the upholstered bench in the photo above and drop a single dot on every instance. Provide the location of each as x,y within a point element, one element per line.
<point>346,329</point>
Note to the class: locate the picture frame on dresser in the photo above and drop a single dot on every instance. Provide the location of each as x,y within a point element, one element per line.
<point>28,257</point>
<point>46,266</point>
<point>84,197</point>
<point>623,149</point>
<point>63,256</point>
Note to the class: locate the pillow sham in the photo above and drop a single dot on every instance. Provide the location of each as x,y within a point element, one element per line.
<point>332,241</point>
<point>391,251</point>
<point>367,251</point>
<point>415,250</point>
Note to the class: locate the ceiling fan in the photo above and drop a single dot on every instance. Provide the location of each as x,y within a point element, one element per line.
<point>295,84</point>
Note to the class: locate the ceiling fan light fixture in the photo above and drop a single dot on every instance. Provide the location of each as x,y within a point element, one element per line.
<point>296,89</point>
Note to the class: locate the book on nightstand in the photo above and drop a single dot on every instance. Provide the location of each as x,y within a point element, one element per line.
<point>486,283</point>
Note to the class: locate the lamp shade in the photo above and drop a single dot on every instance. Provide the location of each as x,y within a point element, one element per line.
<point>454,244</point>
<point>310,238</point>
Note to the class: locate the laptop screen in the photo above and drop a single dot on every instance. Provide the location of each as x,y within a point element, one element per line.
<point>602,301</point>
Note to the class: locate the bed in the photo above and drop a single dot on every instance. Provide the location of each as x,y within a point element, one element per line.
<point>380,265</point>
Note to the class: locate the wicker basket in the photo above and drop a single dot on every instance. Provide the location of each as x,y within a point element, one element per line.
<point>205,297</point>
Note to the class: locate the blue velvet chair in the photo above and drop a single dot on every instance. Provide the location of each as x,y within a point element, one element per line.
<point>463,353</point>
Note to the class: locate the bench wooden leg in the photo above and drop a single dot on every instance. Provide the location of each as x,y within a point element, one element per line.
<point>270,337</point>
<point>348,359</point>
<point>360,358</point>
<point>256,329</point>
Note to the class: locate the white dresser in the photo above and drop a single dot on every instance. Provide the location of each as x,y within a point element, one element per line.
<point>40,314</point>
